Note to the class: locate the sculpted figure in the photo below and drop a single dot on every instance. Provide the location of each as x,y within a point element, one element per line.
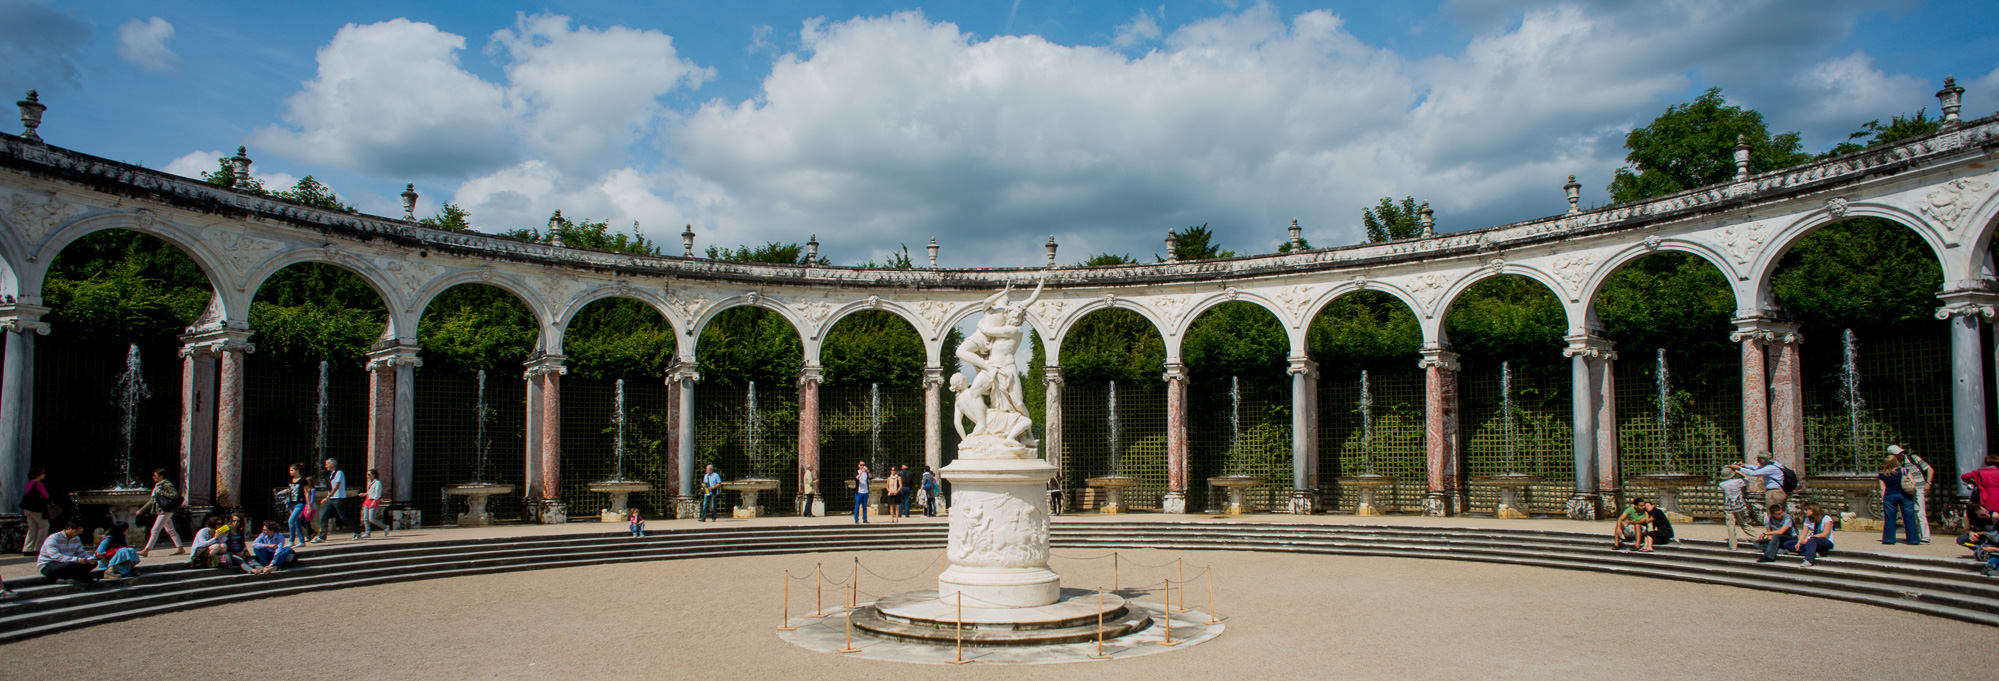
<point>993,399</point>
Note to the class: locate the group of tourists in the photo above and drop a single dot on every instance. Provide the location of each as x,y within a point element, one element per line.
<point>902,485</point>
<point>306,498</point>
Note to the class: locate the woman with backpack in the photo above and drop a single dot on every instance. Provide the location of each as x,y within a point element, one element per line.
<point>165,501</point>
<point>1898,491</point>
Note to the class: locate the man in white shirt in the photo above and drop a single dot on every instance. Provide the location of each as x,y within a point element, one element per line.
<point>335,503</point>
<point>63,556</point>
<point>1772,475</point>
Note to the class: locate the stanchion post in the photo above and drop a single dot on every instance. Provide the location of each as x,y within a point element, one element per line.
<point>850,621</point>
<point>1181,565</point>
<point>854,581</point>
<point>1167,612</point>
<point>961,629</point>
<point>785,624</point>
<point>1212,617</point>
<point>818,590</point>
<point>1114,572</point>
<point>1100,627</point>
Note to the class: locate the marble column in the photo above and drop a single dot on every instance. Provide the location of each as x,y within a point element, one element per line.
<point>1755,388</point>
<point>683,501</point>
<point>1964,310</point>
<point>1175,500</point>
<point>230,347</point>
<point>809,378</point>
<point>197,423</point>
<point>673,434</point>
<point>1609,469</point>
<point>1787,399</point>
<point>1589,357</point>
<point>1440,430</point>
<point>17,399</point>
<point>933,417</point>
<point>531,425</point>
<point>1304,435</point>
<point>391,416</point>
<point>1051,422</point>
<point>545,373</point>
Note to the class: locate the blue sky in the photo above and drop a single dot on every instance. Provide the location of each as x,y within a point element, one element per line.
<point>990,125</point>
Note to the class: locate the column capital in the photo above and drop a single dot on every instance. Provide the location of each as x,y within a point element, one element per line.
<point>1968,299</point>
<point>1438,355</point>
<point>18,316</point>
<point>933,377</point>
<point>1302,366</point>
<point>1051,375</point>
<point>1766,328</point>
<point>1591,346</point>
<point>1175,372</point>
<point>391,356</point>
<point>544,365</point>
<point>814,373</point>
<point>214,342</point>
<point>685,371</point>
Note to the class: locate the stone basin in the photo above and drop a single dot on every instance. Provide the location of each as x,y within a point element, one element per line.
<point>1859,488</point>
<point>1238,487</point>
<point>475,494</point>
<point>619,490</point>
<point>1370,487</point>
<point>124,505</point>
<point>1510,485</point>
<point>747,507</point>
<point>1113,487</point>
<point>1668,486</point>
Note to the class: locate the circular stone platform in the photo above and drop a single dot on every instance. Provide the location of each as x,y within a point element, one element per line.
<point>919,616</point>
<point>830,634</point>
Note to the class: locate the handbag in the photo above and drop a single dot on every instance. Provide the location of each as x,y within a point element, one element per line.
<point>1912,481</point>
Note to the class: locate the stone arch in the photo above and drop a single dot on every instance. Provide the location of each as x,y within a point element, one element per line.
<point>1203,304</point>
<point>1981,225</point>
<point>422,300</point>
<point>609,291</point>
<point>798,326</point>
<point>392,298</point>
<point>1105,302</point>
<point>1433,328</point>
<point>235,301</point>
<point>1356,285</point>
<point>1787,237</point>
<point>1593,284</point>
<point>896,308</point>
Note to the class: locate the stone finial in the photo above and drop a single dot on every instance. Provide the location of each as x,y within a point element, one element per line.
<point>933,252</point>
<point>1741,158</point>
<point>1051,250</point>
<point>1428,219</point>
<point>812,250</point>
<point>409,202</point>
<point>31,115</point>
<point>1575,192</point>
<point>1297,237</point>
<point>1951,99</point>
<point>687,242</point>
<point>241,163</point>
<point>1172,247</point>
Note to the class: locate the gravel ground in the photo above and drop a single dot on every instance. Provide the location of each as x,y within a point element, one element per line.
<point>1335,617</point>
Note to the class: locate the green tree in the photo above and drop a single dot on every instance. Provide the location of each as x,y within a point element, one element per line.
<point>1508,317</point>
<point>225,175</point>
<point>451,217</point>
<point>1364,330</point>
<point>470,327</point>
<point>1391,222</point>
<point>1693,145</point>
<point>1236,339</point>
<point>873,346</point>
<point>587,234</point>
<point>618,338</point>
<point>1863,272</point>
<point>897,260</point>
<point>117,287</point>
<point>773,252</point>
<point>310,312</point>
<point>1196,243</point>
<point>1112,345</point>
<point>1874,134</point>
<point>312,192</point>
<point>1108,259</point>
<point>1303,244</point>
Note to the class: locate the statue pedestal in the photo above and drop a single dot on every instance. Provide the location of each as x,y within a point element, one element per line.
<point>999,534</point>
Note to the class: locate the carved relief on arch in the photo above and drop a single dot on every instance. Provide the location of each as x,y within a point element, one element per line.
<point>1295,299</point>
<point>1951,205</point>
<point>1170,308</point>
<point>410,275</point>
<point>690,306</point>
<point>932,312</point>
<point>1742,240</point>
<point>241,250</point>
<point>556,291</point>
<point>1574,269</point>
<point>1428,287</point>
<point>36,217</point>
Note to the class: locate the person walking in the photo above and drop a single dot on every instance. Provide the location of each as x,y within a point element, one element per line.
<point>371,507</point>
<point>1916,466</point>
<point>1895,484</point>
<point>809,484</point>
<point>335,503</point>
<point>297,495</point>
<point>36,507</point>
<point>1816,536</point>
<point>1778,531</point>
<point>861,493</point>
<point>1054,495</point>
<point>164,502</point>
<point>892,486</point>
<point>711,485</point>
<point>1778,480</point>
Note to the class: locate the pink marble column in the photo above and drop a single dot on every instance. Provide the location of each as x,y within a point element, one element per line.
<point>551,436</point>
<point>1176,439</point>
<point>1755,395</point>
<point>544,375</point>
<point>1440,430</point>
<point>1609,472</point>
<point>382,420</point>
<point>673,434</point>
<point>1787,404</point>
<point>197,423</point>
<point>531,480</point>
<point>229,425</point>
<point>808,426</point>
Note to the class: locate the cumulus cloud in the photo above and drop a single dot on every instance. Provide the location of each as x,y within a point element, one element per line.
<point>390,98</point>
<point>581,95</point>
<point>143,43</point>
<point>39,47</point>
<point>192,164</point>
<point>1141,29</point>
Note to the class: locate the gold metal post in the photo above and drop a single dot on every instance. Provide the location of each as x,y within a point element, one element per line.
<point>854,581</point>
<point>1100,627</point>
<point>1114,572</point>
<point>818,591</point>
<point>961,630</point>
<point>850,622</point>
<point>1168,613</point>
<point>1181,565</point>
<point>785,624</point>
<point>1212,617</point>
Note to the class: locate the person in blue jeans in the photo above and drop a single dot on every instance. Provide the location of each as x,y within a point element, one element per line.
<point>1896,503</point>
<point>270,549</point>
<point>1778,531</point>
<point>1816,535</point>
<point>300,489</point>
<point>861,493</point>
<point>711,485</point>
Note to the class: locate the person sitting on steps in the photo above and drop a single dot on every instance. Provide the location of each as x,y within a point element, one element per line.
<point>1659,531</point>
<point>1630,522</point>
<point>1778,531</point>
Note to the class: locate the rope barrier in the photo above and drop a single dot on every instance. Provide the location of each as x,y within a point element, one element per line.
<point>919,572</point>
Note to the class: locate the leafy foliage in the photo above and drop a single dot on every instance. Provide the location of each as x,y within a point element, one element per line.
<point>872,346</point>
<point>1874,134</point>
<point>449,216</point>
<point>1862,273</point>
<point>310,312</point>
<point>1236,339</point>
<point>119,287</point>
<point>773,252</point>
<point>1389,221</point>
<point>587,234</point>
<point>618,337</point>
<point>1364,330</point>
<point>1195,243</point>
<point>1508,317</point>
<point>470,327</point>
<point>1693,145</point>
<point>1111,345</point>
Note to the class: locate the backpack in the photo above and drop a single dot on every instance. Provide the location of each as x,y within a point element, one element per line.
<point>1790,482</point>
<point>1912,481</point>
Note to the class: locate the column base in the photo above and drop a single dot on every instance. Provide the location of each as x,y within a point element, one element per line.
<point>550,512</point>
<point>13,531</point>
<point>405,518</point>
<point>1304,502</point>
<point>1584,506</point>
<point>818,505</point>
<point>1441,504</point>
<point>686,506</point>
<point>1173,502</point>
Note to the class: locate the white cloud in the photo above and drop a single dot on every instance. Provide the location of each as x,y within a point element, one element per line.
<point>1981,95</point>
<point>390,98</point>
<point>581,96</point>
<point>1141,29</point>
<point>1843,93</point>
<point>192,164</point>
<point>143,43</point>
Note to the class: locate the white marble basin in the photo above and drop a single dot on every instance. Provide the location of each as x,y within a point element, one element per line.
<point>475,494</point>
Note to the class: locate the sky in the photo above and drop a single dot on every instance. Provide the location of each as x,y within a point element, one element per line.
<point>990,126</point>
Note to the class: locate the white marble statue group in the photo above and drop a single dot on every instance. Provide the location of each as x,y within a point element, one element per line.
<point>993,400</point>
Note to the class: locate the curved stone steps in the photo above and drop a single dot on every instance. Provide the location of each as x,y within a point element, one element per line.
<point>1933,586</point>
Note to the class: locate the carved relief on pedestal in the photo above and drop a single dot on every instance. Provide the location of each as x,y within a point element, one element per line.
<point>998,531</point>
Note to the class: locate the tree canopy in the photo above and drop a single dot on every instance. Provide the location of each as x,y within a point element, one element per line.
<point>1195,243</point>
<point>1693,145</point>
<point>1390,222</point>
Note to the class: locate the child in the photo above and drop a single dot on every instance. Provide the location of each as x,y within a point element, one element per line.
<point>119,560</point>
<point>638,524</point>
<point>270,549</point>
